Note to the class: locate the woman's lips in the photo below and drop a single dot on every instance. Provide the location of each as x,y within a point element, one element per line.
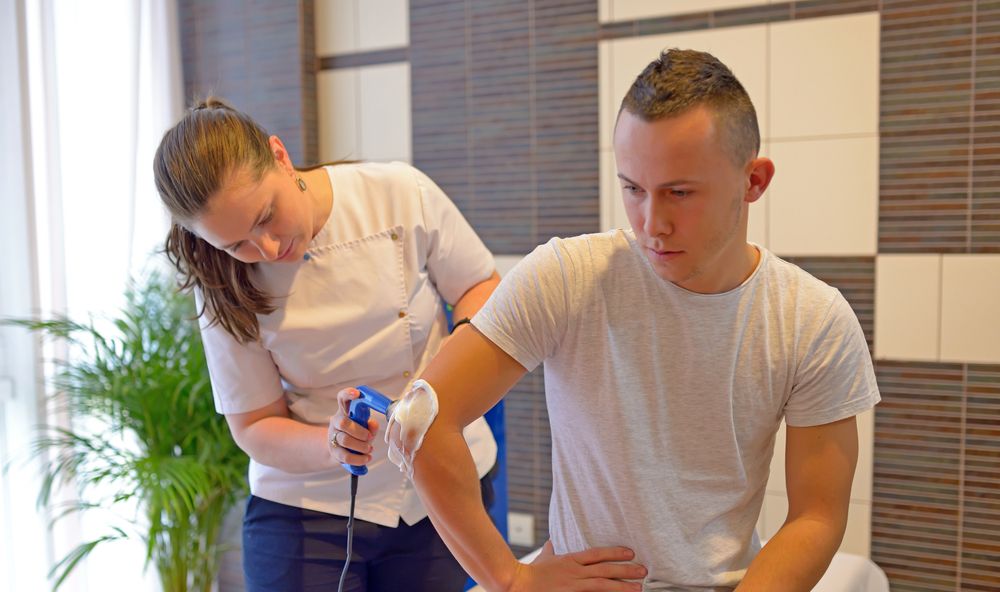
<point>288,251</point>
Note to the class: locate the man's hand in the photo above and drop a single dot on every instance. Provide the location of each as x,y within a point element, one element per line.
<point>598,569</point>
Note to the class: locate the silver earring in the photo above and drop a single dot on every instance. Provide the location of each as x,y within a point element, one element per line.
<point>301,183</point>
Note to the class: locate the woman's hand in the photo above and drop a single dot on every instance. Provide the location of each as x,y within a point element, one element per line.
<point>350,442</point>
<point>597,569</point>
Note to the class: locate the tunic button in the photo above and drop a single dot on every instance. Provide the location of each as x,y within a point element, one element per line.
<point>394,236</point>
<point>402,313</point>
<point>406,374</point>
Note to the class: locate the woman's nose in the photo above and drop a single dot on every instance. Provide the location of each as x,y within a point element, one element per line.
<point>268,246</point>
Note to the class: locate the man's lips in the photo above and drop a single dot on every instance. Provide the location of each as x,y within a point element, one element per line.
<point>664,254</point>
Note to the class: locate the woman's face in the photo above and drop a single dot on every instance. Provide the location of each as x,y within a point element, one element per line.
<point>255,221</point>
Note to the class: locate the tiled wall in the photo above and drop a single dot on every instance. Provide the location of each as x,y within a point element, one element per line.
<point>881,118</point>
<point>364,90</point>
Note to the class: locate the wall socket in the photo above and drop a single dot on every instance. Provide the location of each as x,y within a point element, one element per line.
<point>521,529</point>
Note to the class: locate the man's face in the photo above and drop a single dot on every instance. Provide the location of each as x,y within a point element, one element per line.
<point>686,199</point>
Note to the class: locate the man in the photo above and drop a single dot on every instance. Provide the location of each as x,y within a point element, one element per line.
<point>672,353</point>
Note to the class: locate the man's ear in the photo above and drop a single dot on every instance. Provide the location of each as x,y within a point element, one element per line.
<point>760,171</point>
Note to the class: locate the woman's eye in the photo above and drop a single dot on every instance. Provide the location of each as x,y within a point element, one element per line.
<point>680,193</point>
<point>269,216</point>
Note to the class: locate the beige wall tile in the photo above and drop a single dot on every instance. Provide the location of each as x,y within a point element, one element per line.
<point>604,10</point>
<point>612,207</point>
<point>336,27</point>
<point>824,197</point>
<point>908,307</point>
<point>776,482</point>
<point>384,98</point>
<point>607,106</point>
<point>825,76</point>
<point>757,218</point>
<point>639,9</point>
<point>337,92</point>
<point>505,263</point>
<point>857,537</point>
<point>970,309</point>
<point>775,512</point>
<point>383,24</point>
<point>861,490</point>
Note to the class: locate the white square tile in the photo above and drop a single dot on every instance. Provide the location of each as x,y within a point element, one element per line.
<point>858,536</point>
<point>612,208</point>
<point>762,520</point>
<point>505,263</point>
<point>622,10</point>
<point>604,11</point>
<point>825,76</point>
<point>908,307</point>
<point>337,94</point>
<point>336,27</point>
<point>757,217</point>
<point>775,512</point>
<point>383,24</point>
<point>385,130</point>
<point>824,197</point>
<point>742,49</point>
<point>606,104</point>
<point>861,490</point>
<point>776,482</point>
<point>970,309</point>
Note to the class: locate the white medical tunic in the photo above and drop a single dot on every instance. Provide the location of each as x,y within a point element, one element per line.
<point>364,307</point>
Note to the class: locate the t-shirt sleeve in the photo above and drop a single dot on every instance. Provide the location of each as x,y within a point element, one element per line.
<point>457,259</point>
<point>835,378</point>
<point>527,314</point>
<point>244,376</point>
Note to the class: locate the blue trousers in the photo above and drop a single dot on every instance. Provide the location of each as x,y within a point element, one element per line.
<point>291,549</point>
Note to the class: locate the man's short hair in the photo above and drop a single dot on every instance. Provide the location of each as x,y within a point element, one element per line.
<point>682,79</point>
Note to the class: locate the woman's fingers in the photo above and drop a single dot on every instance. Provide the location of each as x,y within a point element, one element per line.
<point>350,442</point>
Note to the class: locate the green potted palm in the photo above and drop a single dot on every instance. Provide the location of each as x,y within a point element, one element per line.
<point>144,435</point>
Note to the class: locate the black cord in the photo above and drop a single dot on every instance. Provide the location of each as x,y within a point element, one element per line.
<point>350,532</point>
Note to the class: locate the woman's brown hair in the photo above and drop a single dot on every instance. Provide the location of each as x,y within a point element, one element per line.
<point>195,158</point>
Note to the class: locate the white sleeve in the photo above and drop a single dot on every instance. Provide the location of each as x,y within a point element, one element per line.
<point>457,259</point>
<point>835,378</point>
<point>244,376</point>
<point>528,313</point>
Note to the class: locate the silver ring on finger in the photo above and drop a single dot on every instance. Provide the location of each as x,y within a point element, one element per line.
<point>333,440</point>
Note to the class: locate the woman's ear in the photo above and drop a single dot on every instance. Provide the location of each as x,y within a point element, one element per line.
<point>281,157</point>
<point>760,171</point>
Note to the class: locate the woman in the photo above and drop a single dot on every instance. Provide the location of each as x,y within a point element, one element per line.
<point>310,282</point>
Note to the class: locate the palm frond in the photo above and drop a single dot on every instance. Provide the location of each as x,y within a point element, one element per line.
<point>144,430</point>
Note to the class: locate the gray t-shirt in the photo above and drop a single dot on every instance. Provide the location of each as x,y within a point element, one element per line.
<point>664,403</point>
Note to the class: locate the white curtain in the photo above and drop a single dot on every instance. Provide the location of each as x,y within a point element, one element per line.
<point>87,91</point>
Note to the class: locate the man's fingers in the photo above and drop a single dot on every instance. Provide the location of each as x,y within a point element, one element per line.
<point>601,554</point>
<point>616,571</point>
